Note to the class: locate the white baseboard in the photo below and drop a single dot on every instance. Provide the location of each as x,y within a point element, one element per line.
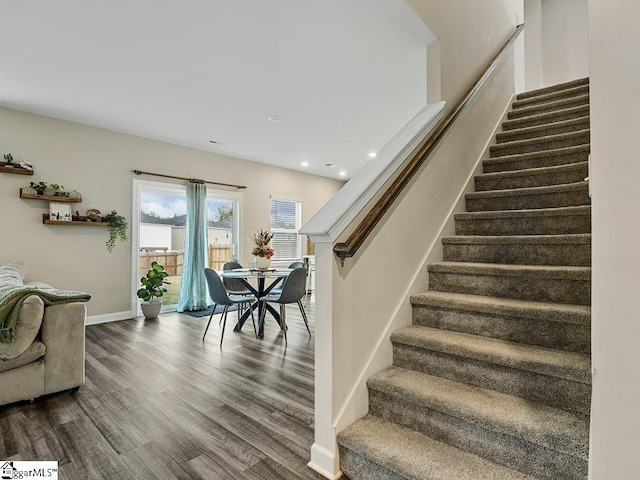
<point>323,462</point>
<point>108,317</point>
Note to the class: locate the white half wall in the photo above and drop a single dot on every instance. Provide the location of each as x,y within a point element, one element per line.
<point>615,175</point>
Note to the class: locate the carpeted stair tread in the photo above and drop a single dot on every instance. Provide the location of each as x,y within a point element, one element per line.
<point>569,249</point>
<point>557,312</point>
<point>550,196</point>
<point>540,424</point>
<point>547,283</point>
<point>530,177</point>
<point>575,238</point>
<point>540,144</point>
<point>537,131</point>
<point>547,118</point>
<point>534,212</point>
<point>546,158</point>
<point>544,361</point>
<point>531,271</point>
<point>552,96</point>
<point>554,88</point>
<point>560,220</point>
<point>549,107</point>
<point>407,454</point>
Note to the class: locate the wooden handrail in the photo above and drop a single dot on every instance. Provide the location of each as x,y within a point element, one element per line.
<point>368,223</point>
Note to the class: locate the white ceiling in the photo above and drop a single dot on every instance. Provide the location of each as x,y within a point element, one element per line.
<point>344,75</point>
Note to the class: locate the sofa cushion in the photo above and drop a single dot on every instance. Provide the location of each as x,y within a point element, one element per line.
<point>12,274</point>
<point>35,351</point>
<point>27,328</point>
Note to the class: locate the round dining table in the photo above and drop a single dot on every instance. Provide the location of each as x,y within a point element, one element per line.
<point>259,289</point>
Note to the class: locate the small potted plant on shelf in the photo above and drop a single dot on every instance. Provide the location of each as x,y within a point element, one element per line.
<point>152,288</point>
<point>262,250</point>
<point>117,227</point>
<point>44,188</point>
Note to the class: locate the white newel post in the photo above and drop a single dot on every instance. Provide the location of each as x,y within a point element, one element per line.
<point>324,454</point>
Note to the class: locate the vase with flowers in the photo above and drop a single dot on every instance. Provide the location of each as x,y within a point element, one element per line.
<point>262,250</point>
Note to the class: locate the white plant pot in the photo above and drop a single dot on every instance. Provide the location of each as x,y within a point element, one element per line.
<point>263,262</point>
<point>151,309</point>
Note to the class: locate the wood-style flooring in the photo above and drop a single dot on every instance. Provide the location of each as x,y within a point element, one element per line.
<point>159,403</point>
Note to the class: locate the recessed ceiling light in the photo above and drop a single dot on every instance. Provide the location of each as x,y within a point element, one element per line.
<point>342,173</point>
<point>330,165</point>
<point>275,119</point>
<point>304,164</point>
<point>372,154</point>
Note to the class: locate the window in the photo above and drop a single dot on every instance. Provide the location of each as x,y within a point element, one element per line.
<point>286,220</point>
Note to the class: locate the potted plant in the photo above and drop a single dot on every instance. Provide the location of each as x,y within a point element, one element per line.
<point>44,188</point>
<point>117,227</point>
<point>262,250</point>
<point>152,289</point>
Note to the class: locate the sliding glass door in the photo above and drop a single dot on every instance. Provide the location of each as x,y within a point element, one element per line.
<point>159,232</point>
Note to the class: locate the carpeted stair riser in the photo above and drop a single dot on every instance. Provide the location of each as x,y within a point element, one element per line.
<point>553,88</point>
<point>355,465</point>
<point>531,145</point>
<point>557,392</point>
<point>525,250</point>
<point>539,131</point>
<point>553,221</point>
<point>548,118</point>
<point>549,158</point>
<point>551,97</point>
<point>532,177</point>
<point>548,107</point>
<point>372,442</point>
<point>554,196</point>
<point>506,450</point>
<point>547,284</point>
<point>528,436</point>
<point>567,336</point>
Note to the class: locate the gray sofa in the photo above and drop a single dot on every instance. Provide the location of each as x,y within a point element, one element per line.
<point>54,360</point>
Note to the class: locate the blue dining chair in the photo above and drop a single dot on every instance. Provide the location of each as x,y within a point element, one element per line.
<point>233,285</point>
<point>220,296</point>
<point>293,290</point>
<point>292,266</point>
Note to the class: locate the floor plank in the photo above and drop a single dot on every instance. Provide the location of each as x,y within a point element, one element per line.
<point>161,403</point>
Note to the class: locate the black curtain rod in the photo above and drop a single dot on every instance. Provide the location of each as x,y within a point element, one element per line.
<point>192,180</point>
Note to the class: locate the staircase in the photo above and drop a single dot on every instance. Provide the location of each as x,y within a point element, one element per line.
<point>493,379</point>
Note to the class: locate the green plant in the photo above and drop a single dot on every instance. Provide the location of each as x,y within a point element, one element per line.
<point>42,186</point>
<point>117,226</point>
<point>152,283</point>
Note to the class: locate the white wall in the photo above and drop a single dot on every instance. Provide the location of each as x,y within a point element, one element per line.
<point>615,176</point>
<point>565,40</point>
<point>98,164</point>
<point>470,33</point>
<point>533,44</point>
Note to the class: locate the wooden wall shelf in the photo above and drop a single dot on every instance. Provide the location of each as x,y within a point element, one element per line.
<point>77,223</point>
<point>51,198</point>
<point>16,169</point>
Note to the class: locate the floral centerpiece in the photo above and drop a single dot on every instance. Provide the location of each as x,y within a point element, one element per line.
<point>261,249</point>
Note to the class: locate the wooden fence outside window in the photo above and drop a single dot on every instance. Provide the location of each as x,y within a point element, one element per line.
<point>172,260</point>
